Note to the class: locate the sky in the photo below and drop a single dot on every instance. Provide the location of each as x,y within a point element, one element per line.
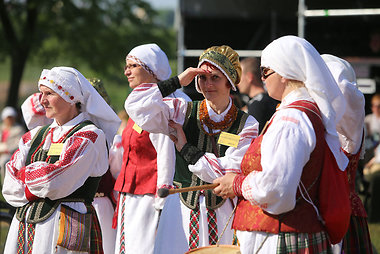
<point>163,4</point>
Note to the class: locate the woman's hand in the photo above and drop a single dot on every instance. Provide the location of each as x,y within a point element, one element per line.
<point>189,74</point>
<point>225,189</point>
<point>180,139</point>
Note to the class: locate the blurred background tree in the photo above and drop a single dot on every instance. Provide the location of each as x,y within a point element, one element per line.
<point>96,34</point>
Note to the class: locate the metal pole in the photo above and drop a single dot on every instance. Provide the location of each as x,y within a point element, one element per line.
<point>180,38</point>
<point>341,12</point>
<point>301,18</point>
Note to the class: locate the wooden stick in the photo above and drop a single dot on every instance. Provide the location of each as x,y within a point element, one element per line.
<point>163,192</point>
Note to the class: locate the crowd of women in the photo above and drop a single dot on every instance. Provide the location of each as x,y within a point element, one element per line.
<point>80,188</point>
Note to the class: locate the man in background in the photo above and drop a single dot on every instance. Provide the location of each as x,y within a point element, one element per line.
<point>260,105</point>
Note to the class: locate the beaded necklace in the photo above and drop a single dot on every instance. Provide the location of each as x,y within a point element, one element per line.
<point>205,119</point>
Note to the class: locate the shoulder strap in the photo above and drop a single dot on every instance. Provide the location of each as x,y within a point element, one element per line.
<point>36,141</point>
<point>191,105</point>
<point>76,128</point>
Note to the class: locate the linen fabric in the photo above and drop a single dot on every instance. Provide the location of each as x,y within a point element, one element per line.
<point>350,127</point>
<point>306,65</point>
<point>152,59</point>
<point>83,155</point>
<point>146,106</point>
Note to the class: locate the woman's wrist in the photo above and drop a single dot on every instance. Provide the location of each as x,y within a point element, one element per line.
<point>237,185</point>
<point>168,86</point>
<point>191,154</point>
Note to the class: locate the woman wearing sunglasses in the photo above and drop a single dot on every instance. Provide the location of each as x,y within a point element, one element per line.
<point>213,140</point>
<point>278,189</point>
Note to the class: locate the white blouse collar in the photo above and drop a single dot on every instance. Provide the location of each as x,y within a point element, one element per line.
<point>218,117</point>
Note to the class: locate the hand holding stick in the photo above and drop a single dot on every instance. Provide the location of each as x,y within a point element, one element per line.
<point>164,192</point>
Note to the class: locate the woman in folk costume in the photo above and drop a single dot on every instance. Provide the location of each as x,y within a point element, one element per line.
<point>53,177</point>
<point>279,186</point>
<point>104,201</point>
<point>148,160</point>
<point>194,219</point>
<point>10,133</point>
<point>351,131</point>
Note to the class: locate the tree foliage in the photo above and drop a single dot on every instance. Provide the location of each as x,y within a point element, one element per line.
<point>96,32</point>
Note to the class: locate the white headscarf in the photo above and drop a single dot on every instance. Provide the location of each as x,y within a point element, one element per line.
<point>73,87</point>
<point>7,112</point>
<point>350,127</point>
<point>33,112</point>
<point>295,58</point>
<point>152,59</point>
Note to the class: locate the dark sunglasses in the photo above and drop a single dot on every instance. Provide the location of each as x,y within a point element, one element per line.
<point>264,72</point>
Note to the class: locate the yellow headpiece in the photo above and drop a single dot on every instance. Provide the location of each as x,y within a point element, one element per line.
<point>98,85</point>
<point>226,60</point>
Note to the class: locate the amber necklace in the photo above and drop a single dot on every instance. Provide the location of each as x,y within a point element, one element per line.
<point>205,119</point>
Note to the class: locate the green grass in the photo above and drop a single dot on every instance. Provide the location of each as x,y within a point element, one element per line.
<point>374,231</point>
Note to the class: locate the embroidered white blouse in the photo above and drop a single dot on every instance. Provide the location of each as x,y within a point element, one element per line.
<point>146,106</point>
<point>285,149</point>
<point>83,155</point>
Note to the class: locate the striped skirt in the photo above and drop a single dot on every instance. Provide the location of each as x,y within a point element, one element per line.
<point>357,239</point>
<point>303,243</point>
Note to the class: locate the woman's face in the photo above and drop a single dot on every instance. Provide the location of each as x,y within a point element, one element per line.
<point>137,75</point>
<point>274,83</point>
<point>56,107</point>
<point>214,85</point>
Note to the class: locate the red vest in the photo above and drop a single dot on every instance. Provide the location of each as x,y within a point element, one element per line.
<point>357,207</point>
<point>303,217</point>
<point>138,173</point>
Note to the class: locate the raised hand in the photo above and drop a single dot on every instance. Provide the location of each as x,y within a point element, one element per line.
<point>189,74</point>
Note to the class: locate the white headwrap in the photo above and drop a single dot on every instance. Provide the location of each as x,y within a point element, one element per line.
<point>7,112</point>
<point>295,58</point>
<point>350,127</point>
<point>33,112</point>
<point>152,59</point>
<point>73,87</point>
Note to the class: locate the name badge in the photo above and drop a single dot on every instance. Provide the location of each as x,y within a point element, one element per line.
<point>137,128</point>
<point>55,149</point>
<point>228,139</point>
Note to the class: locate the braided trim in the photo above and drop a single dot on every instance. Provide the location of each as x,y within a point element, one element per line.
<point>146,67</point>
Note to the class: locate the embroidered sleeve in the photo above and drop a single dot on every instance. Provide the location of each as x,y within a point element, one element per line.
<point>14,188</point>
<point>285,149</point>
<point>151,111</point>
<point>210,167</point>
<point>84,155</point>
<point>237,186</point>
